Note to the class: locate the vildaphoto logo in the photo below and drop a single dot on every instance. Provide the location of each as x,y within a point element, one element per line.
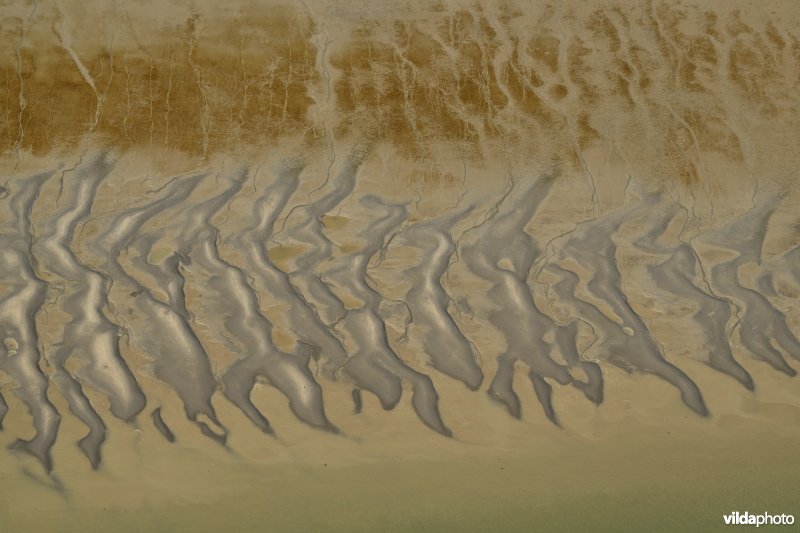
<point>747,519</point>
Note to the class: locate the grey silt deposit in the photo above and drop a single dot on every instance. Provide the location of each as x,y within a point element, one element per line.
<point>450,351</point>
<point>762,327</point>
<point>625,339</point>
<point>185,273</point>
<point>23,297</point>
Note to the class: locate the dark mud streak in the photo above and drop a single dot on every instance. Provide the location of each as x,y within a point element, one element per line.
<point>161,426</point>
<point>358,403</point>
<point>3,410</point>
<point>20,357</point>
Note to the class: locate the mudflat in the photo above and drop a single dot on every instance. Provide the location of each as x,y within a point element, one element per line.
<point>493,266</point>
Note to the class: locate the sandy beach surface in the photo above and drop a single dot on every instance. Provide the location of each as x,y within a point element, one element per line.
<point>398,266</point>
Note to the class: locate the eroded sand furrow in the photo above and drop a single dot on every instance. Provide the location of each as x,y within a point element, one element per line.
<point>678,274</point>
<point>566,339</point>
<point>373,364</point>
<point>252,242</point>
<point>164,334</point>
<point>22,298</point>
<point>243,318</point>
<point>236,302</point>
<point>762,327</point>
<point>503,253</point>
<point>629,342</point>
<point>308,230</point>
<point>174,277</point>
<point>89,335</point>
<point>450,351</point>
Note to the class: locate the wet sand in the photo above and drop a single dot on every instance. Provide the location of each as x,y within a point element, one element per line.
<point>434,266</point>
<point>619,468</point>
